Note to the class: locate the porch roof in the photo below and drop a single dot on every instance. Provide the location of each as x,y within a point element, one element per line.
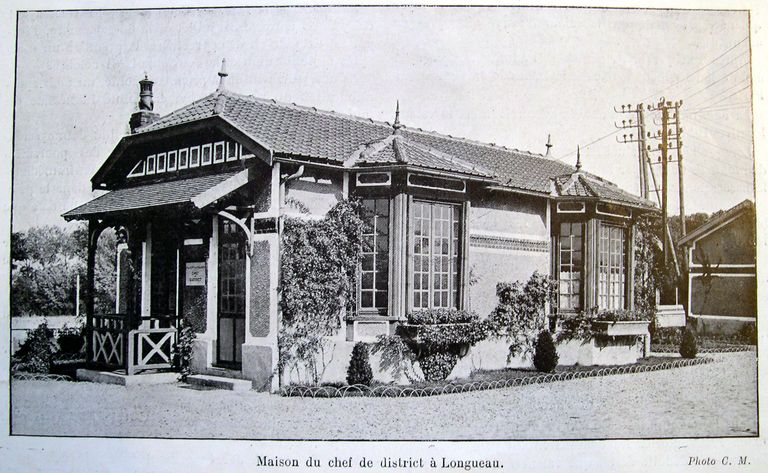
<point>178,192</point>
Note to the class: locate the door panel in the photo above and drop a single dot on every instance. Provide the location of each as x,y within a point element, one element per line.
<point>231,317</point>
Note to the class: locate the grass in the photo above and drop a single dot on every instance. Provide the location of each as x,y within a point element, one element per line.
<point>504,374</point>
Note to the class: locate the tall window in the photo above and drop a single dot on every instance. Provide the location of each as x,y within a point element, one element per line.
<point>435,252</point>
<point>374,277</point>
<point>611,268</point>
<point>570,252</point>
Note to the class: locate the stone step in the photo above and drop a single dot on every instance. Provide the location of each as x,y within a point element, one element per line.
<point>218,382</point>
<point>110,377</point>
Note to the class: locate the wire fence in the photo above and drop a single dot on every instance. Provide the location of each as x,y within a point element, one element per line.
<point>358,390</point>
<point>24,376</point>
<point>706,351</point>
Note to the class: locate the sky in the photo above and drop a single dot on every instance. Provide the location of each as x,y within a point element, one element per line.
<point>510,76</point>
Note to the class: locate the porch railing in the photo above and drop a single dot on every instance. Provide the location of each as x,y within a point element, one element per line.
<point>115,345</point>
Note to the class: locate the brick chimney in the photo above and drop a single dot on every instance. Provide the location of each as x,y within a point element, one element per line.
<point>145,115</point>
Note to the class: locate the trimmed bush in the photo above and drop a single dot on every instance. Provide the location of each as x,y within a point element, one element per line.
<point>359,371</point>
<point>35,355</point>
<point>545,358</point>
<point>70,340</point>
<point>748,334</point>
<point>688,348</point>
<point>436,366</point>
<point>439,336</point>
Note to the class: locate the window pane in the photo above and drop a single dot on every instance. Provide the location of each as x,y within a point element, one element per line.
<point>375,263</point>
<point>570,264</point>
<point>435,236</point>
<point>611,268</point>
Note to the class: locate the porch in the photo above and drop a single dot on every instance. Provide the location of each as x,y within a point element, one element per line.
<point>122,345</point>
<point>185,264</point>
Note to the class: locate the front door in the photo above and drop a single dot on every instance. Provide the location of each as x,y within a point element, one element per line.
<point>231,319</point>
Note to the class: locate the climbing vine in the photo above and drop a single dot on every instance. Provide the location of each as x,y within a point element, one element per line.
<point>317,279</point>
<point>520,316</point>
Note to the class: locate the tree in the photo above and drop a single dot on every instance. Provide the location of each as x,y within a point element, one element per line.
<point>46,262</point>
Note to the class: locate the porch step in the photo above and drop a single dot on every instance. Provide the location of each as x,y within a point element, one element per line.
<point>218,382</point>
<point>110,377</point>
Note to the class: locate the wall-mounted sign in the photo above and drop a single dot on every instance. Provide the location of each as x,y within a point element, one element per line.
<point>195,274</point>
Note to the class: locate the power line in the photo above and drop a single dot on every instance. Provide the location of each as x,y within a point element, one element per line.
<point>587,145</point>
<point>723,126</point>
<point>722,108</point>
<point>722,132</point>
<point>718,95</point>
<point>718,146</point>
<point>696,71</point>
<point>711,73</point>
<point>737,92</point>
<point>718,81</point>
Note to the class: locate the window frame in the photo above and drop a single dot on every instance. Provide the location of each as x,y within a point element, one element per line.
<point>558,263</point>
<point>624,255</point>
<point>198,151</point>
<point>455,254</point>
<point>206,147</point>
<point>378,311</point>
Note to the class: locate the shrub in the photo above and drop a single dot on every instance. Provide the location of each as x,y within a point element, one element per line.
<point>519,316</point>
<point>688,348</point>
<point>436,366</point>
<point>748,334</point>
<point>359,371</point>
<point>396,357</point>
<point>438,337</point>
<point>182,358</point>
<point>545,358</point>
<point>70,340</point>
<point>35,355</point>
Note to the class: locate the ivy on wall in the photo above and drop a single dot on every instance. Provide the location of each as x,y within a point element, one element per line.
<point>520,315</point>
<point>317,279</point>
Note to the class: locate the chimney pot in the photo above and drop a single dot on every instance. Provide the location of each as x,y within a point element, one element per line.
<point>145,115</point>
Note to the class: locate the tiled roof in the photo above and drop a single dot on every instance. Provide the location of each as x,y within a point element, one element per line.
<point>717,220</point>
<point>581,184</point>
<point>304,131</point>
<point>397,149</point>
<point>149,195</point>
<point>307,132</point>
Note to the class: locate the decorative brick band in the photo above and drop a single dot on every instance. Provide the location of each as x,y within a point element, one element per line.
<point>508,243</point>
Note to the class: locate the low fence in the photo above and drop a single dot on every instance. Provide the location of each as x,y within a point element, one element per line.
<point>358,390</point>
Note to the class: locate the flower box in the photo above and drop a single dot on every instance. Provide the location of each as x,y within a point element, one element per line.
<point>621,328</point>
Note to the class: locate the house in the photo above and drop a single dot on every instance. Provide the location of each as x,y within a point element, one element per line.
<point>197,197</point>
<point>722,282</point>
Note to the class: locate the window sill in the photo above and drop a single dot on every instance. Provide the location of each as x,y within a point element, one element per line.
<point>372,317</point>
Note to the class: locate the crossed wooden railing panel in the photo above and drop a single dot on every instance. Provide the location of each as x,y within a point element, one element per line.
<point>115,346</point>
<point>151,348</point>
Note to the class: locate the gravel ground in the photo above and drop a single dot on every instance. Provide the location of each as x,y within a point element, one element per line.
<point>717,399</point>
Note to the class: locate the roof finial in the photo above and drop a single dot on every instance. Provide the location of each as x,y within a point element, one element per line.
<point>578,158</point>
<point>222,74</point>
<point>549,144</point>
<point>397,124</point>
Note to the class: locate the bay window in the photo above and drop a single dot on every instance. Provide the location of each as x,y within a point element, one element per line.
<point>434,248</point>
<point>611,271</point>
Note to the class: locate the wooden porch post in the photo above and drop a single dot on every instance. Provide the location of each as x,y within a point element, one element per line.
<point>94,230</point>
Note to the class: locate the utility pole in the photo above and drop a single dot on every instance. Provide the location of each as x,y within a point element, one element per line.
<point>639,125</point>
<point>647,174</point>
<point>678,132</point>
